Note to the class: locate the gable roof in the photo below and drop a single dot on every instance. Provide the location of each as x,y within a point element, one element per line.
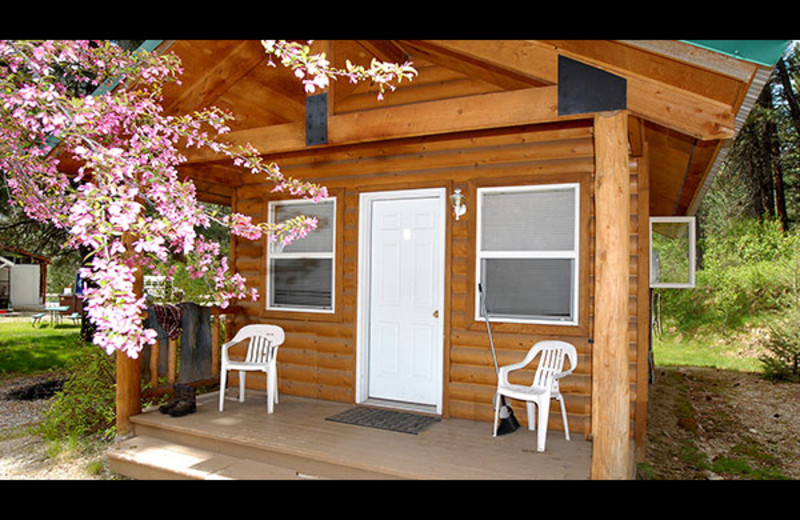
<point>688,98</point>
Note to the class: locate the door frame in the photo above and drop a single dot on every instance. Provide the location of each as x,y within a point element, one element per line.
<point>363,297</point>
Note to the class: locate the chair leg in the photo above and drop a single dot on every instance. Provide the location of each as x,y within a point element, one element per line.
<point>273,381</point>
<point>544,415</point>
<point>270,395</point>
<point>564,416</point>
<point>242,382</point>
<point>496,413</point>
<point>223,376</point>
<point>275,384</point>
<point>531,409</point>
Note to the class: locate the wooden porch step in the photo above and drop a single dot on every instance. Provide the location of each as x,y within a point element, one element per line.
<point>146,457</point>
<point>191,448</point>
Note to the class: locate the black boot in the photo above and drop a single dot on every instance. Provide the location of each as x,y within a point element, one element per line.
<point>186,402</point>
<point>165,408</point>
<point>183,403</point>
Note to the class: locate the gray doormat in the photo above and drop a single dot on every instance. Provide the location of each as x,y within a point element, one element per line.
<point>403,422</point>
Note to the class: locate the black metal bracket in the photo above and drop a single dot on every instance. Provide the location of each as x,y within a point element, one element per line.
<point>317,119</point>
<point>585,89</point>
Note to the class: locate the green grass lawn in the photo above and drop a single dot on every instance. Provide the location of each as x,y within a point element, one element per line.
<point>704,350</point>
<point>26,349</point>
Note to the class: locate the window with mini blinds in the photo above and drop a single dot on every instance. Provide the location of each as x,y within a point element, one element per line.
<point>300,275</point>
<point>528,253</point>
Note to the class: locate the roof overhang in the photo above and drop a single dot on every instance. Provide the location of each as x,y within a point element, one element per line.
<point>764,53</point>
<point>691,97</point>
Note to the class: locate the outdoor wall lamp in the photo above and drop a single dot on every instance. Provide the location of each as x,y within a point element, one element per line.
<point>457,199</point>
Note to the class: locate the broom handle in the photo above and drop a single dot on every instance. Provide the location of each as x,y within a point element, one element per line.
<point>488,328</point>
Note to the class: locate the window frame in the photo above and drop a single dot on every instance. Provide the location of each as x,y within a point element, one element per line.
<point>692,252</point>
<point>271,254</point>
<point>574,254</point>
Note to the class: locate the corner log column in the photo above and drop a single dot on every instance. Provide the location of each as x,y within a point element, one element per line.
<point>129,374</point>
<point>610,393</point>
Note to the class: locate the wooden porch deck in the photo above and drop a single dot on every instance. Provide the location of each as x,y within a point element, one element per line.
<point>296,442</point>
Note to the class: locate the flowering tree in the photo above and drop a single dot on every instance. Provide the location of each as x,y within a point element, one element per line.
<point>126,203</point>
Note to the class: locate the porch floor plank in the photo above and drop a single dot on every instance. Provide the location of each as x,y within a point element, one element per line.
<point>451,449</point>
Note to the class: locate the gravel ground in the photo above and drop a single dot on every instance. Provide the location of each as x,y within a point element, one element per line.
<point>26,457</point>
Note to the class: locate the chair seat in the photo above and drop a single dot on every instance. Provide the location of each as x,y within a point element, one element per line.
<point>242,365</point>
<point>520,392</point>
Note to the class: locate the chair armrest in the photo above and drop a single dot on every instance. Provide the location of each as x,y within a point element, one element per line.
<point>572,364</point>
<point>224,349</point>
<point>503,371</point>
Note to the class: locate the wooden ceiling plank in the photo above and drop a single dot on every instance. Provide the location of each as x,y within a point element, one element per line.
<point>386,50</point>
<point>474,61</point>
<point>219,78</point>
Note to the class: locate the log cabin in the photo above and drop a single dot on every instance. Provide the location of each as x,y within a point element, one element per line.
<point>531,167</point>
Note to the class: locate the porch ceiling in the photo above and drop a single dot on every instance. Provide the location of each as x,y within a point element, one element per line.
<point>687,100</point>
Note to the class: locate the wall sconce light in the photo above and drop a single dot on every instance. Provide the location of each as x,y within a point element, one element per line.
<point>457,199</point>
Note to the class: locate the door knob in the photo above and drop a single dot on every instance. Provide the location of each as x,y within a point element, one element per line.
<point>436,313</point>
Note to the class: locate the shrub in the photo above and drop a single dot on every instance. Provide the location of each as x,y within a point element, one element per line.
<point>747,269</point>
<point>781,360</point>
<point>86,404</point>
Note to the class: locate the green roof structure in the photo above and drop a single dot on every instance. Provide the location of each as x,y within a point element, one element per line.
<point>762,52</point>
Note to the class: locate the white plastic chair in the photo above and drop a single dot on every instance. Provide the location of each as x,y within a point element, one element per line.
<point>262,352</point>
<point>543,388</point>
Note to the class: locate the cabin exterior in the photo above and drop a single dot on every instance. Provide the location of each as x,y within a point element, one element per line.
<point>561,152</point>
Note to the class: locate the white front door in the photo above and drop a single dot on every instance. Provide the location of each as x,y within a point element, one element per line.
<point>403,325</point>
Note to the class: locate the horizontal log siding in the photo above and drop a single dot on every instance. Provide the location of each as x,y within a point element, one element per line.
<point>318,358</point>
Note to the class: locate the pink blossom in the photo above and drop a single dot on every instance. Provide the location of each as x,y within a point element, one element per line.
<point>127,184</point>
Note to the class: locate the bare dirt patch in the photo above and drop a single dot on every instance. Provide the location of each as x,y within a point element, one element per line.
<point>721,425</point>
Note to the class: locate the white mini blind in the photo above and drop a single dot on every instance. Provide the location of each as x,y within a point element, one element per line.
<point>300,275</point>
<point>527,252</point>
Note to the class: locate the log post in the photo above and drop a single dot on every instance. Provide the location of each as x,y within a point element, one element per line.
<point>216,320</point>
<point>610,392</point>
<point>129,375</point>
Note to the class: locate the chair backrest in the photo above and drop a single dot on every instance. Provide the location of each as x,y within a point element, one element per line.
<point>264,341</point>
<point>551,362</point>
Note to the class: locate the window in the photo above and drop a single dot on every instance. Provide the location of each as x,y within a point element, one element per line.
<point>672,252</point>
<point>527,253</point>
<point>300,276</point>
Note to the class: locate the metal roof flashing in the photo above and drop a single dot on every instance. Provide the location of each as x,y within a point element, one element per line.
<point>762,52</point>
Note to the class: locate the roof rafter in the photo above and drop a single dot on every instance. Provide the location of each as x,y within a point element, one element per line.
<point>688,112</point>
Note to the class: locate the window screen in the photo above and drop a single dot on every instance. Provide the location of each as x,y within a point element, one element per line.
<point>300,276</point>
<point>528,253</point>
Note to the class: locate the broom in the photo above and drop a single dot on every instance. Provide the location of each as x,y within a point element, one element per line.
<point>508,423</point>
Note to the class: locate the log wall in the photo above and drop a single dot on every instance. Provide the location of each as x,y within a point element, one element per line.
<point>318,358</point>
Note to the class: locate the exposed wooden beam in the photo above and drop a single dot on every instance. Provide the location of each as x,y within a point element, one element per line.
<point>668,105</point>
<point>494,110</point>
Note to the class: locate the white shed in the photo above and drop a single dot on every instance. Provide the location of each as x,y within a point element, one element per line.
<point>22,279</point>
